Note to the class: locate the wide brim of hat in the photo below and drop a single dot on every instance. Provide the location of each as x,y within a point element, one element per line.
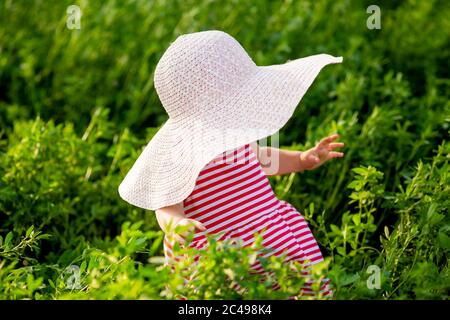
<point>166,171</point>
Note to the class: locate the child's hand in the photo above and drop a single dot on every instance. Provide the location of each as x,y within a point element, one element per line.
<point>185,227</point>
<point>321,153</point>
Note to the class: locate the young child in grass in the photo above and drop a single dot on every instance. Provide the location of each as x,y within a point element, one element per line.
<point>235,196</point>
<point>204,169</point>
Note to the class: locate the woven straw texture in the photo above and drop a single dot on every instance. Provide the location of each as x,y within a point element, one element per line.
<point>217,99</point>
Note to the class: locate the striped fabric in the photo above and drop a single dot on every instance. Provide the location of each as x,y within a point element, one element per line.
<point>233,196</point>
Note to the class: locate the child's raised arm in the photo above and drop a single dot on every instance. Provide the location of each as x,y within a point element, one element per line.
<point>276,161</point>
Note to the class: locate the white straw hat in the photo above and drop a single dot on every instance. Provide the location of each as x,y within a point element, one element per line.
<point>217,99</point>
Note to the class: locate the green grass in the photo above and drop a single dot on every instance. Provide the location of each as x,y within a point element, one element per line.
<point>77,106</point>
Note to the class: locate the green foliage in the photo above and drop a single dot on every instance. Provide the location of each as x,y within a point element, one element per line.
<point>416,251</point>
<point>223,271</point>
<point>18,277</point>
<point>57,181</point>
<point>77,106</point>
<point>413,252</point>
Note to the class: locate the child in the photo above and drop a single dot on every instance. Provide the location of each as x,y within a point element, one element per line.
<point>203,168</point>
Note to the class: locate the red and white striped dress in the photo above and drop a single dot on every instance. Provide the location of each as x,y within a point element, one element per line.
<point>232,195</point>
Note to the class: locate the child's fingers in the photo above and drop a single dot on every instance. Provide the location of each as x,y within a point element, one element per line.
<point>197,224</point>
<point>328,139</point>
<point>184,228</point>
<point>179,239</point>
<point>334,154</point>
<point>335,145</point>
